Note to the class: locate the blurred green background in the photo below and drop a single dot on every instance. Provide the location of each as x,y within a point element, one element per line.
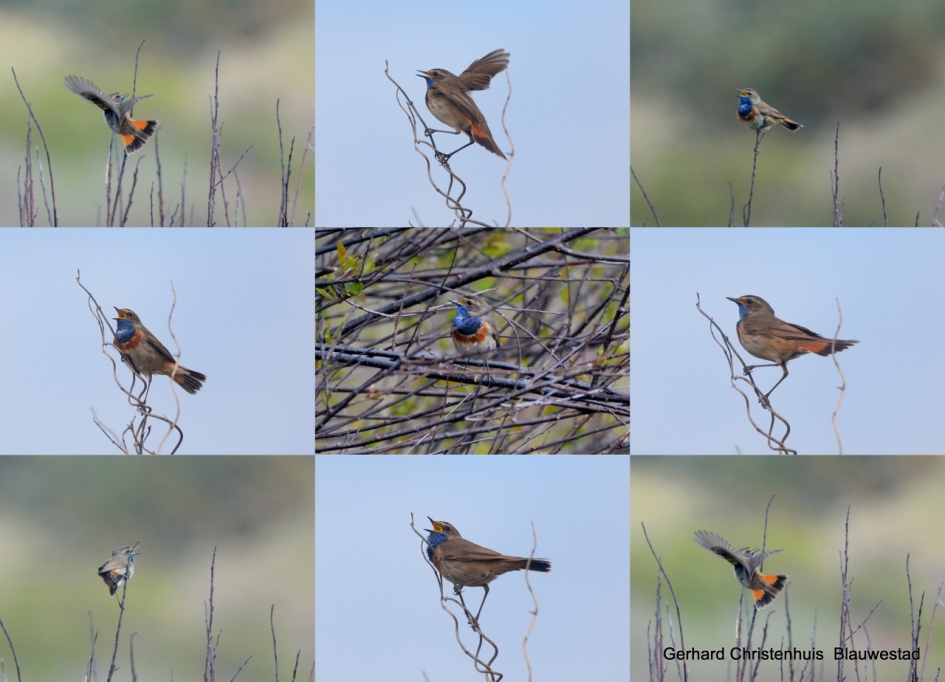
<point>875,67</point>
<point>60,517</point>
<point>896,507</point>
<point>267,54</point>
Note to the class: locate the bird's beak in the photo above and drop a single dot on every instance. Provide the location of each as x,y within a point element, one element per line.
<point>422,74</point>
<point>733,300</point>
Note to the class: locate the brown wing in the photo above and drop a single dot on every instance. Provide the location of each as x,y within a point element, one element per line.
<point>462,101</point>
<point>161,350</point>
<point>772,326</point>
<point>460,549</point>
<point>115,102</point>
<point>719,546</point>
<point>479,74</point>
<point>86,89</point>
<point>118,560</point>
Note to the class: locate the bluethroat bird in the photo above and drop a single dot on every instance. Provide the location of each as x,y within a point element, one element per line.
<point>764,588</point>
<point>759,115</point>
<point>472,333</point>
<point>119,568</point>
<point>148,356</point>
<point>447,98</point>
<point>116,107</point>
<point>766,337</point>
<point>466,564</point>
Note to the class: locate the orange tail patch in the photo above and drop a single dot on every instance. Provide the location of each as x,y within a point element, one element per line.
<point>483,137</point>
<point>773,584</point>
<point>143,130</point>
<point>822,347</point>
<point>816,346</point>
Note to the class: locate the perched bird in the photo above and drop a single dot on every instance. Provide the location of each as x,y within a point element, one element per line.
<point>119,568</point>
<point>766,337</point>
<point>116,108</point>
<point>466,564</point>
<point>473,330</point>
<point>147,356</point>
<point>764,588</point>
<point>447,98</point>
<point>759,115</point>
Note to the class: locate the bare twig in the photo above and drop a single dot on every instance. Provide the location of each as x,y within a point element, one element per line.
<point>209,672</point>
<point>835,181</point>
<point>843,379</point>
<point>42,135</point>
<point>662,572</point>
<point>16,659</point>
<point>882,196</point>
<point>760,133</point>
<point>645,197</point>
<point>531,624</point>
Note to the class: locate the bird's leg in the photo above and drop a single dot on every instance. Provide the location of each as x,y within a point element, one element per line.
<point>444,158</point>
<point>763,398</point>
<point>486,588</point>
<point>429,131</point>
<point>783,377</point>
<point>751,367</point>
<point>458,591</point>
<point>440,156</point>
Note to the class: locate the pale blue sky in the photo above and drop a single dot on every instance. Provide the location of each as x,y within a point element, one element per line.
<point>243,318</point>
<point>889,283</point>
<point>568,117</point>
<point>377,601</point>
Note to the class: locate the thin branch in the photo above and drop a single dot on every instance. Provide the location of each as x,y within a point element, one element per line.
<point>16,659</point>
<point>42,135</point>
<point>843,379</point>
<point>645,197</point>
<point>882,196</point>
<point>672,591</point>
<point>835,181</point>
<point>760,133</point>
